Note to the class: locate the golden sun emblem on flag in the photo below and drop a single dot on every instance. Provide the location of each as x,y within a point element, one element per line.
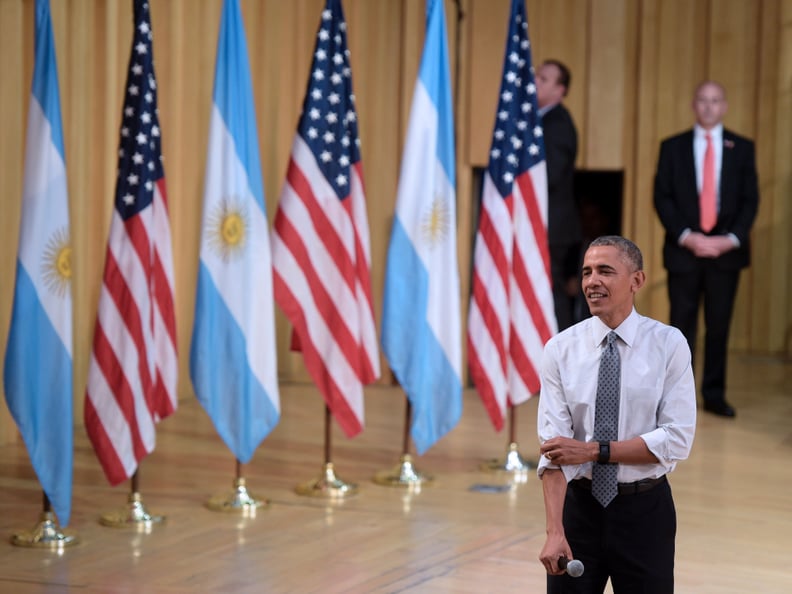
<point>435,222</point>
<point>228,229</point>
<point>56,269</point>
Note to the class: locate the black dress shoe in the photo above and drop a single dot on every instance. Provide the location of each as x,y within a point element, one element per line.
<point>721,408</point>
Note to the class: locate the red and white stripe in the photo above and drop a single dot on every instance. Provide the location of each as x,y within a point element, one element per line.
<point>132,379</point>
<point>321,260</point>
<point>511,309</point>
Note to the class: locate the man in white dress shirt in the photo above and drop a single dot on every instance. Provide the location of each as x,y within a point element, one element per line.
<point>630,539</point>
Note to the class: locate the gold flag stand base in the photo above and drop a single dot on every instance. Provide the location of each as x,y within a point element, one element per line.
<point>45,535</point>
<point>240,501</point>
<point>514,463</point>
<point>403,474</point>
<point>328,486</point>
<point>133,515</point>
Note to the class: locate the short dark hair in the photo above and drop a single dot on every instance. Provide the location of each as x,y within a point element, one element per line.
<point>627,248</point>
<point>564,75</point>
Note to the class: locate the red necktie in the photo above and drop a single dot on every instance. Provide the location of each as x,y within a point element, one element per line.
<point>709,212</point>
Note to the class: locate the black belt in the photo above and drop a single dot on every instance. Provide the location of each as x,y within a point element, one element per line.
<point>624,488</point>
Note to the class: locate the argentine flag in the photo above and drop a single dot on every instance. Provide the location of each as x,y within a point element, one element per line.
<point>421,315</point>
<point>38,364</point>
<point>232,356</point>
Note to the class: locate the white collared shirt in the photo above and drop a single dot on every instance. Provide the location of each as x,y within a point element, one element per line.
<point>658,394</point>
<point>548,107</point>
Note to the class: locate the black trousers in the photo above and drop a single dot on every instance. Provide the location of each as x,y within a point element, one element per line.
<point>631,542</point>
<point>718,289</point>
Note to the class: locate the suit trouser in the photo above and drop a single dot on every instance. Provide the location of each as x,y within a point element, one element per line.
<point>631,541</point>
<point>718,289</point>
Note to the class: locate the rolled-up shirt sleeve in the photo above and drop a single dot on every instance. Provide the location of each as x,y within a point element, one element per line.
<point>553,418</point>
<point>657,396</point>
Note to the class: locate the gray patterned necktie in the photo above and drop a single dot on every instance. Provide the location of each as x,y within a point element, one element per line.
<point>606,419</point>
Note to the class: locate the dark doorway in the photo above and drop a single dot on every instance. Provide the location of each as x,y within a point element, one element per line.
<point>599,195</point>
<point>599,198</point>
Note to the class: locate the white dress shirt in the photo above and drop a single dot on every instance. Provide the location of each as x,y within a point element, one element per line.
<point>657,400</point>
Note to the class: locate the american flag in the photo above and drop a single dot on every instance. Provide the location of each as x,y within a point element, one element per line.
<point>511,309</point>
<point>321,253</point>
<point>133,371</point>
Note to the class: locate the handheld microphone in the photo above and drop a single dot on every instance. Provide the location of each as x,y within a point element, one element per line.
<point>574,568</point>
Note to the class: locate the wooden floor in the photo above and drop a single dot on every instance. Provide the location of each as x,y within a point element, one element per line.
<point>734,502</point>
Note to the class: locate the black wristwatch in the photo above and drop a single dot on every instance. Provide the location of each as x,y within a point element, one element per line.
<point>604,452</point>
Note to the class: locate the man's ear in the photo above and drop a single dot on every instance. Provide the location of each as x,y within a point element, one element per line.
<point>638,280</point>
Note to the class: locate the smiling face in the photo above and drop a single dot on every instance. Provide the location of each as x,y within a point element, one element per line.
<point>610,283</point>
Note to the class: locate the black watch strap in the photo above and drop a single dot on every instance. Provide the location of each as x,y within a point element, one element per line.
<point>604,452</point>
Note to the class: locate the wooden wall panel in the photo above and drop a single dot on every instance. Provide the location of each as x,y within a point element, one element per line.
<point>763,305</point>
<point>629,41</point>
<point>776,268</point>
<point>14,47</point>
<point>733,58</point>
<point>634,65</point>
<point>605,93</point>
<point>87,157</point>
<point>487,23</point>
<point>461,34</point>
<point>378,89</point>
<point>185,40</point>
<point>557,29</point>
<point>560,29</point>
<point>642,220</point>
<point>733,55</point>
<point>769,289</point>
<point>682,35</point>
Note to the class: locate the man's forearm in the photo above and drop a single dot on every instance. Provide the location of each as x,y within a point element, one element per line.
<point>631,451</point>
<point>554,489</point>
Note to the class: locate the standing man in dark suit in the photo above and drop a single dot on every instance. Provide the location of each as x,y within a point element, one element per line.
<point>564,235</point>
<point>706,195</point>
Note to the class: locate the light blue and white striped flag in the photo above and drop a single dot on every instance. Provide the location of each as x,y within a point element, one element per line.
<point>421,315</point>
<point>232,357</point>
<point>38,365</point>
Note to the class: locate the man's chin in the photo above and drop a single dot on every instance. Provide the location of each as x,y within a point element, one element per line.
<point>596,309</point>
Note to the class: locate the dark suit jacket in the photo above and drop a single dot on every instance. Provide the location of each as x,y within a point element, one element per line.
<point>677,203</point>
<point>560,137</point>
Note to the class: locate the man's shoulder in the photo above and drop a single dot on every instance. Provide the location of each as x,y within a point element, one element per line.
<point>558,113</point>
<point>573,334</point>
<point>736,139</point>
<point>679,137</point>
<point>650,327</point>
<point>560,127</point>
